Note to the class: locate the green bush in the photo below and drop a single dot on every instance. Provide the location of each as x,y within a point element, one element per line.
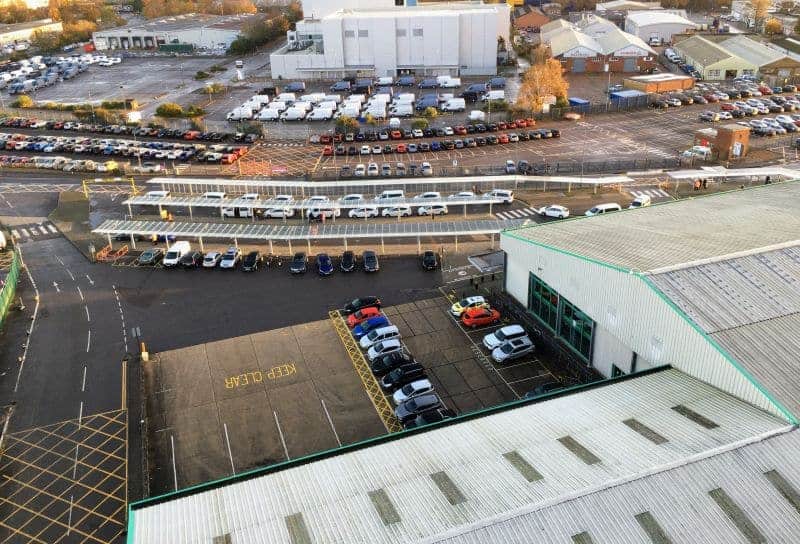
<point>113,104</point>
<point>214,88</point>
<point>431,112</point>
<point>201,75</point>
<point>216,68</point>
<point>23,101</point>
<point>169,109</point>
<point>346,124</point>
<point>420,124</point>
<point>495,105</point>
<point>194,111</point>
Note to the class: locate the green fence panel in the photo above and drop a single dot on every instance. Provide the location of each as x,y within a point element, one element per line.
<point>9,289</point>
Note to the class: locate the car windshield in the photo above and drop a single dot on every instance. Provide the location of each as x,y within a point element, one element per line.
<point>507,348</point>
<point>172,254</point>
<point>464,303</point>
<point>209,258</point>
<point>500,335</point>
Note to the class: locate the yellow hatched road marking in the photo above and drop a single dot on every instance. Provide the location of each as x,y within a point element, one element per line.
<point>67,457</point>
<point>374,391</point>
<point>62,524</point>
<point>15,531</point>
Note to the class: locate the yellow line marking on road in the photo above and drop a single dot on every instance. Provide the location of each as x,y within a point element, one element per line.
<point>15,531</point>
<point>371,385</point>
<point>62,524</point>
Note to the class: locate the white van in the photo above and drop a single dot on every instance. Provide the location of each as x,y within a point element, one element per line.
<point>269,115</point>
<point>320,114</point>
<point>455,104</point>
<point>286,97</point>
<point>448,82</point>
<point>506,196</point>
<point>214,195</point>
<point>640,202</point>
<point>240,211</point>
<point>402,110</point>
<point>336,98</point>
<point>499,94</point>
<point>175,252</point>
<point>385,81</point>
<point>379,335</point>
<point>293,114</point>
<point>600,209</point>
<point>390,194</point>
<point>477,115</point>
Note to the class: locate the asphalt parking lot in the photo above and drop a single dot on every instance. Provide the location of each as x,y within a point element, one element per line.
<point>228,406</point>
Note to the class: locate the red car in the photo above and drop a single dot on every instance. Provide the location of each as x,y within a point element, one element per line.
<point>502,125</point>
<point>460,129</point>
<point>327,150</point>
<point>711,97</point>
<point>480,317</point>
<point>401,148</point>
<point>502,138</point>
<point>396,135</point>
<point>764,90</point>
<point>727,107</point>
<point>357,318</point>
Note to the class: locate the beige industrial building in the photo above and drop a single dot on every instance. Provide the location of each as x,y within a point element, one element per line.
<point>24,31</point>
<point>712,60</point>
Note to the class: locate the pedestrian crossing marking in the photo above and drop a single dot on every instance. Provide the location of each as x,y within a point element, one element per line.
<point>52,229</point>
<point>24,233</point>
<point>44,230</point>
<point>517,214</point>
<point>654,193</point>
<point>38,231</point>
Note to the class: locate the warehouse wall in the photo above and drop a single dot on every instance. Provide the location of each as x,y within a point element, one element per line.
<point>624,306</point>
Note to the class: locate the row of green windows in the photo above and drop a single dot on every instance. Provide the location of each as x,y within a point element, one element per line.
<point>561,316</point>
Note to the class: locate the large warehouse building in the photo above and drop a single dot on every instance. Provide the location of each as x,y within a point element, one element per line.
<point>662,25</point>
<point>377,38</point>
<point>698,445</point>
<point>194,30</point>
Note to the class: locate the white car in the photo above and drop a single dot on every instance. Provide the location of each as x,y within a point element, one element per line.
<point>501,336</point>
<point>417,133</point>
<point>554,210</point>
<point>327,213</point>
<point>377,150</point>
<point>147,168</point>
<point>513,349</point>
<point>397,211</point>
<point>372,170</point>
<point>384,348</point>
<point>426,169</point>
<point>212,259</point>
<point>429,195</point>
<point>360,170</point>
<point>462,195</point>
<point>725,115</point>
<point>448,131</point>
<point>365,150</point>
<point>432,209</point>
<point>364,212</point>
<point>353,197</point>
<point>231,258</point>
<point>411,390</point>
<point>278,213</point>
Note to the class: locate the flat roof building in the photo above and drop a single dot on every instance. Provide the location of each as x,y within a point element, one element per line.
<point>24,31</point>
<point>660,24</point>
<point>713,61</point>
<point>378,39</point>
<point>194,29</point>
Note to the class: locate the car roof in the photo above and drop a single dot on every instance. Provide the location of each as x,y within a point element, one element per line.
<point>523,340</point>
<point>512,329</point>
<point>476,298</point>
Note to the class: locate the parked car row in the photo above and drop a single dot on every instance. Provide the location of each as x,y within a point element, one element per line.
<point>36,75</point>
<point>402,377</point>
<point>707,93</point>
<point>397,133</point>
<point>219,153</point>
<point>130,130</point>
<point>59,163</point>
<point>325,266</point>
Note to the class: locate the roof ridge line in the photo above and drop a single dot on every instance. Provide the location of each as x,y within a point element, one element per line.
<point>533,507</point>
<point>720,258</point>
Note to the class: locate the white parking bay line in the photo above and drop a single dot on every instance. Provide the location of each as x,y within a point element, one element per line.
<point>24,232</point>
<point>526,211</point>
<point>280,432</point>
<point>34,232</point>
<point>52,229</point>
<point>44,230</point>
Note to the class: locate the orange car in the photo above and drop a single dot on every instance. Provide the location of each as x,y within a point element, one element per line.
<point>502,138</point>
<point>396,135</point>
<point>357,318</point>
<point>401,148</point>
<point>480,317</point>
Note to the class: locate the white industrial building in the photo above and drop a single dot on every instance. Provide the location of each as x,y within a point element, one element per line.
<point>378,38</point>
<point>657,24</point>
<point>196,30</point>
<point>24,31</point>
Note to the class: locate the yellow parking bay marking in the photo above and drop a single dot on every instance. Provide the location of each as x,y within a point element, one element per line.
<point>371,385</point>
<point>257,376</point>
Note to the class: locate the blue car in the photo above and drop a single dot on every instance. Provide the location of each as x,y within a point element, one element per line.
<point>436,146</point>
<point>370,324</point>
<point>324,264</point>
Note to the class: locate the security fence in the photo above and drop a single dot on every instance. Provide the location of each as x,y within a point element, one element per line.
<point>9,288</point>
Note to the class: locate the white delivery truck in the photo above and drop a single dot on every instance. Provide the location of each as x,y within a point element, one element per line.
<point>348,110</point>
<point>447,82</point>
<point>402,110</point>
<point>499,94</point>
<point>269,115</point>
<point>241,211</point>
<point>293,114</point>
<point>377,111</point>
<point>403,98</point>
<point>320,114</point>
<point>454,104</point>
<point>286,97</point>
<point>240,113</point>
<point>312,97</point>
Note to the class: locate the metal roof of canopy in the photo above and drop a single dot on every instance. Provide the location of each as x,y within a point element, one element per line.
<point>202,202</point>
<point>330,230</point>
<point>722,172</point>
<point>381,182</point>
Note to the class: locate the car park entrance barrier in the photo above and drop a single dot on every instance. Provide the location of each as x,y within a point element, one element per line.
<point>374,391</point>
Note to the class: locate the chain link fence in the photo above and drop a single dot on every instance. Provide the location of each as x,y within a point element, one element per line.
<point>9,288</point>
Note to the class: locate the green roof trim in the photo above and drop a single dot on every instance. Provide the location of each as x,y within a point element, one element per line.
<point>389,437</point>
<point>791,418</point>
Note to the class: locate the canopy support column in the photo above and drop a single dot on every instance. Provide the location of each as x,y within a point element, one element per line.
<point>419,244</point>
<point>133,241</point>
<point>270,245</point>
<point>202,248</point>
<point>308,242</point>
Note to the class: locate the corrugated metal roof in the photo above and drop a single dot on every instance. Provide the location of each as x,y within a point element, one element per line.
<point>568,39</point>
<point>701,50</point>
<point>681,232</point>
<point>751,307</point>
<point>615,39</point>
<point>751,50</point>
<point>757,482</point>
<point>655,17</point>
<point>475,470</point>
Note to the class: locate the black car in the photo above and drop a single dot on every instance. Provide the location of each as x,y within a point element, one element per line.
<point>429,261</point>
<point>402,375</point>
<point>414,406</point>
<point>544,389</point>
<point>524,167</point>
<point>348,262</point>
<point>193,259</point>
<point>251,261</point>
<point>370,259</point>
<point>555,132</point>
<point>324,264</point>
<point>299,263</point>
<point>150,256</point>
<point>427,417</point>
<point>387,363</point>
<point>358,303</point>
